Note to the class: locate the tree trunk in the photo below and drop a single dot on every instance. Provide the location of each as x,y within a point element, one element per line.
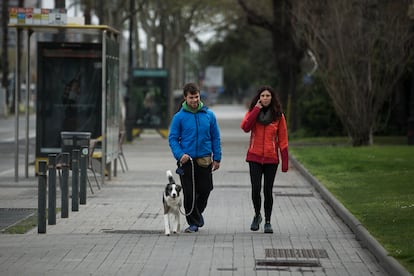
<point>288,51</point>
<point>363,137</point>
<point>289,72</point>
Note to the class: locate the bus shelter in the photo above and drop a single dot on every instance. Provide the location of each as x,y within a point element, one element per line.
<point>77,69</point>
<point>148,100</point>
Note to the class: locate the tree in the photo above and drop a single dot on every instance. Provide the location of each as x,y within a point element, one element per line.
<point>241,50</point>
<point>288,49</point>
<point>173,24</point>
<point>362,49</point>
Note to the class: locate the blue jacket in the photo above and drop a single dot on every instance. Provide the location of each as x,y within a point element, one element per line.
<point>196,134</point>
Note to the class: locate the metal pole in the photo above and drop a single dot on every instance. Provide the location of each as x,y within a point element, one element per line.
<point>41,208</point>
<point>75,180</point>
<point>128,121</point>
<point>26,154</point>
<point>51,214</point>
<point>104,109</point>
<point>16,106</point>
<point>65,188</point>
<point>83,176</point>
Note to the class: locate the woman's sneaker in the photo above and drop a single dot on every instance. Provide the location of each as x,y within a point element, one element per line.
<point>268,228</point>
<point>256,222</point>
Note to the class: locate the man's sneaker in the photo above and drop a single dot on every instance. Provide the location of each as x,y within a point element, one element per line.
<point>201,224</point>
<point>268,228</point>
<point>256,222</point>
<point>191,229</point>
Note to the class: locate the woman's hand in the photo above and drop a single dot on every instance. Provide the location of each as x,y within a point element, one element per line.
<point>259,104</point>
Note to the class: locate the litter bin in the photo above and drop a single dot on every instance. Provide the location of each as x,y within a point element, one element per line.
<point>74,140</point>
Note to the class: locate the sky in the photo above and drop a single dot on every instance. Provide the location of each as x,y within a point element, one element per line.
<point>48,4</point>
<point>204,36</point>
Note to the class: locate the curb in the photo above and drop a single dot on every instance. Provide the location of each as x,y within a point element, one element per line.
<point>391,265</point>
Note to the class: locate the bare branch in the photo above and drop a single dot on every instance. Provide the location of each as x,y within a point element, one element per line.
<point>362,48</point>
<point>254,18</point>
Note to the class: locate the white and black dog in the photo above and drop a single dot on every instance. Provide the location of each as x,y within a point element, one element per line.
<point>172,203</point>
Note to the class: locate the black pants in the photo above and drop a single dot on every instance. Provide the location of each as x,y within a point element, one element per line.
<point>203,183</point>
<point>268,171</point>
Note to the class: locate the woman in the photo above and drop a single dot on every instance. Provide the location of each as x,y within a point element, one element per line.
<point>268,136</point>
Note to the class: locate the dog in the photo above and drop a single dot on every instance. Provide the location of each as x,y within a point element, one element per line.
<point>172,202</point>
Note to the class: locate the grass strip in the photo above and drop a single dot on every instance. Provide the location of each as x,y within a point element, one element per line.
<point>375,184</point>
<point>24,225</point>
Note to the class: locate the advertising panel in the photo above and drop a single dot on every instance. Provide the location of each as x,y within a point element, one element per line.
<point>69,92</point>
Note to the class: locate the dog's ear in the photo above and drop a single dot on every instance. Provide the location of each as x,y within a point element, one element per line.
<point>167,189</point>
<point>178,188</point>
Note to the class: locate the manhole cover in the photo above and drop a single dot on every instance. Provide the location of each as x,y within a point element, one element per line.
<point>10,216</point>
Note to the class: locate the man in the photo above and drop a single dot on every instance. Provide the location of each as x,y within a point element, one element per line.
<point>194,139</point>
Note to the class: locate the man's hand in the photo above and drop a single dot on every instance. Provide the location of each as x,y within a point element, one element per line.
<point>184,158</point>
<point>216,165</point>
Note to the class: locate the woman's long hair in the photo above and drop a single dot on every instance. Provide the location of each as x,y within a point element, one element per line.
<point>275,105</point>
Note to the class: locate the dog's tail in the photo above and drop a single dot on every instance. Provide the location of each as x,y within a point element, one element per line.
<point>170,177</point>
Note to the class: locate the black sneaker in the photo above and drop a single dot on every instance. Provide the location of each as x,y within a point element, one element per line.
<point>268,228</point>
<point>256,222</point>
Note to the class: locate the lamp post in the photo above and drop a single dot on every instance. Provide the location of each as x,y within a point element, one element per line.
<point>128,118</point>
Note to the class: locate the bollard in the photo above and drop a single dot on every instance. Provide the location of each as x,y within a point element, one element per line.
<point>83,175</point>
<point>51,213</point>
<point>75,180</point>
<point>41,203</point>
<point>65,187</point>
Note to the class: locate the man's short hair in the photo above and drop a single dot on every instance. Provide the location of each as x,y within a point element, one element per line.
<point>191,88</point>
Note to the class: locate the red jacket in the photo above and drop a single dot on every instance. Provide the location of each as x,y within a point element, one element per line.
<point>266,141</point>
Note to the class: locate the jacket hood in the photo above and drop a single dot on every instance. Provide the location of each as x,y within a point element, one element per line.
<point>186,108</point>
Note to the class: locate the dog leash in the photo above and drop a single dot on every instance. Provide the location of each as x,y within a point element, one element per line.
<point>180,171</point>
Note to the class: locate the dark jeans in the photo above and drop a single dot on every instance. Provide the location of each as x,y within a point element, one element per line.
<point>203,183</point>
<point>268,171</point>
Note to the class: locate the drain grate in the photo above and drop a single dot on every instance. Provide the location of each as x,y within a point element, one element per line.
<point>282,259</point>
<point>10,216</point>
<point>296,253</point>
<point>136,231</point>
<point>261,264</point>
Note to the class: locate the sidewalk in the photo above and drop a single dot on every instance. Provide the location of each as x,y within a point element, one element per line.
<point>120,229</point>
